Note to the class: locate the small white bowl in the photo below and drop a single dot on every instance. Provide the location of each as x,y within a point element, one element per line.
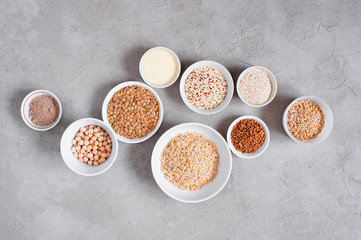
<point>176,59</point>
<point>273,83</point>
<point>74,163</point>
<point>110,95</point>
<point>259,150</point>
<point>25,110</point>
<point>326,130</point>
<point>226,75</point>
<point>209,190</point>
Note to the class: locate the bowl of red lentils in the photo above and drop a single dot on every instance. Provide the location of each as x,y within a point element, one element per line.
<point>206,87</point>
<point>308,120</point>
<point>256,86</point>
<point>133,110</point>
<point>89,147</point>
<point>248,137</point>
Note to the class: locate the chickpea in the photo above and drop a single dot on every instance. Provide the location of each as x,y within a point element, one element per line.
<point>91,145</point>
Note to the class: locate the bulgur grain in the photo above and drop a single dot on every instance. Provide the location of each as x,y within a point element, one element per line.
<point>189,161</point>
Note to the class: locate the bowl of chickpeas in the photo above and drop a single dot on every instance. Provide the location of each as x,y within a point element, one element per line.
<point>133,110</point>
<point>89,147</point>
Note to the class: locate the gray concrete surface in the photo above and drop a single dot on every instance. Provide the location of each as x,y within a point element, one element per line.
<point>81,49</point>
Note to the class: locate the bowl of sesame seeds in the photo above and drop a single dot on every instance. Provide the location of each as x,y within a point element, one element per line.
<point>256,86</point>
<point>308,120</point>
<point>206,87</point>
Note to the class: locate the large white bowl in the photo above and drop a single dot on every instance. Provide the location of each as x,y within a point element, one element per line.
<point>25,106</point>
<point>259,150</point>
<point>72,162</point>
<point>273,83</point>
<point>175,77</point>
<point>328,120</point>
<point>226,75</point>
<point>110,95</point>
<point>209,190</point>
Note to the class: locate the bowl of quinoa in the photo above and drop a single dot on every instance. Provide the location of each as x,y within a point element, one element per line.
<point>133,110</point>
<point>308,119</point>
<point>256,86</point>
<point>206,87</point>
<point>191,162</point>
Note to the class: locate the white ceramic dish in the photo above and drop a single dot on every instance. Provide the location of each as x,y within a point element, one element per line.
<point>328,120</point>
<point>225,73</point>
<point>259,150</point>
<point>212,188</point>
<point>25,110</point>
<point>273,82</point>
<point>110,95</point>
<point>173,54</point>
<point>72,162</point>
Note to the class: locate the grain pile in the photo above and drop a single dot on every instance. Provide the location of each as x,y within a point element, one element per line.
<point>189,161</point>
<point>133,112</point>
<point>205,87</point>
<point>255,87</point>
<point>305,120</point>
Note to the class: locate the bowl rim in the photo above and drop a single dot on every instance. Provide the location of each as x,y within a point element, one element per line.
<point>229,170</point>
<point>315,100</point>
<point>230,87</point>
<point>110,95</point>
<point>246,155</point>
<point>175,77</point>
<point>109,131</point>
<point>273,83</point>
<point>27,102</point>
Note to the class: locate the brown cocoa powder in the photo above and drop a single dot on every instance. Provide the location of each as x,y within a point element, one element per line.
<point>44,110</point>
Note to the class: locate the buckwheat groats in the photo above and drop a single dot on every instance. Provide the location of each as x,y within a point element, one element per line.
<point>92,145</point>
<point>305,120</point>
<point>247,136</point>
<point>190,161</point>
<point>205,87</point>
<point>133,112</point>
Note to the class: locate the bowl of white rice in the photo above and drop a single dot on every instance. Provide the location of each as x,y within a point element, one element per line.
<point>191,162</point>
<point>256,86</point>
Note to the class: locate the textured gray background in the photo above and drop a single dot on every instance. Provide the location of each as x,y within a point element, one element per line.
<point>81,49</point>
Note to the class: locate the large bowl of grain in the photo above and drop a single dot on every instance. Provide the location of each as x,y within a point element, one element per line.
<point>191,162</point>
<point>308,120</point>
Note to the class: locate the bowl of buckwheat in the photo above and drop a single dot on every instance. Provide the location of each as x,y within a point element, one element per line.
<point>133,110</point>
<point>248,137</point>
<point>308,119</point>
<point>89,147</point>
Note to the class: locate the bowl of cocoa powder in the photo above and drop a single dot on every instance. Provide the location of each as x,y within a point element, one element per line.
<point>248,137</point>
<point>41,110</point>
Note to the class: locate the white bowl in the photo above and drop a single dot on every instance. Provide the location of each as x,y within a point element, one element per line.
<point>259,150</point>
<point>209,190</point>
<point>226,75</point>
<point>110,95</point>
<point>328,120</point>
<point>74,163</point>
<point>273,83</point>
<point>25,110</point>
<point>174,55</point>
